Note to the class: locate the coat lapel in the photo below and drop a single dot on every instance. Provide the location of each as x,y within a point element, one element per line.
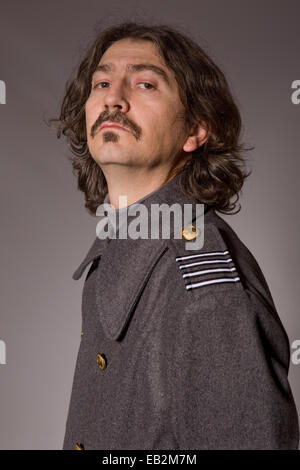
<point>122,274</point>
<point>97,249</point>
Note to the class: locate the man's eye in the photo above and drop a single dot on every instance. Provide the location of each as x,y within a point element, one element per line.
<point>146,83</point>
<point>100,83</point>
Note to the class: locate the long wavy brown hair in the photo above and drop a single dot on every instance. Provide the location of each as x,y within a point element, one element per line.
<point>216,170</point>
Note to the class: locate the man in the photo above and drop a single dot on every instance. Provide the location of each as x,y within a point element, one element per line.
<point>180,348</point>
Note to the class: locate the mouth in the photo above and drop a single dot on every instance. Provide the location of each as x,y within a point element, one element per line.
<point>114,126</point>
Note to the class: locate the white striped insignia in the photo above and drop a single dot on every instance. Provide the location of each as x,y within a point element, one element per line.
<point>202,269</point>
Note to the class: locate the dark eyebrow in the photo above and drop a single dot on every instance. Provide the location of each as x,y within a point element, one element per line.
<point>136,68</point>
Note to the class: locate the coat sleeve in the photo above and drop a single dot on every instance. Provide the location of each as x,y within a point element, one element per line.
<point>229,376</point>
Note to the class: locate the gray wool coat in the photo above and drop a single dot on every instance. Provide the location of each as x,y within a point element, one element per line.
<point>173,362</point>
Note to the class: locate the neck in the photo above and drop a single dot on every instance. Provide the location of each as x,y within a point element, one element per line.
<point>135,184</point>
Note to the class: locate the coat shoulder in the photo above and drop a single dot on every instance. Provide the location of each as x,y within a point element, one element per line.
<point>223,263</point>
<point>217,263</point>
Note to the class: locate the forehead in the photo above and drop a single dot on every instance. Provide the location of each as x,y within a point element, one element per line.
<point>129,48</point>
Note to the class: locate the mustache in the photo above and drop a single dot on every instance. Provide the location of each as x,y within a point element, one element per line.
<point>118,118</point>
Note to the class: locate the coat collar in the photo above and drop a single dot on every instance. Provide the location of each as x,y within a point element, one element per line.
<point>116,301</point>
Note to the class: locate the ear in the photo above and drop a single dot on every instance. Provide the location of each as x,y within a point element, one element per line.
<point>196,138</point>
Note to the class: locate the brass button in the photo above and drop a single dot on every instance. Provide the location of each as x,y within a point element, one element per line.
<point>79,446</point>
<point>190,233</point>
<point>101,361</point>
<point>81,334</point>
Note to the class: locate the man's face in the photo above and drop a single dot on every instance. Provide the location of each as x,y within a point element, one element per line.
<point>142,101</point>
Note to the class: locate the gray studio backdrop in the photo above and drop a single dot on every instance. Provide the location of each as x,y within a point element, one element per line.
<point>45,230</point>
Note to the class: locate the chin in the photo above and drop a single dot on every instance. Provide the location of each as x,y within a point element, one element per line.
<point>110,159</point>
<point>112,153</point>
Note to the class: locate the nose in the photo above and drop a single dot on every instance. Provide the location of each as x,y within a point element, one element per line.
<point>115,98</point>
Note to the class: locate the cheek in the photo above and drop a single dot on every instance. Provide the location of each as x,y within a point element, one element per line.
<point>153,120</point>
<point>90,112</point>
